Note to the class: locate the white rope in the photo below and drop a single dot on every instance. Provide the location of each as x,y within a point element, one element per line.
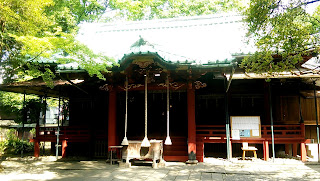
<point>145,104</point>
<point>168,140</point>
<point>126,115</point>
<point>167,81</point>
<point>125,140</point>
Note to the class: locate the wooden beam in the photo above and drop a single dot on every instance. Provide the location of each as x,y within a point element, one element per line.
<point>112,118</point>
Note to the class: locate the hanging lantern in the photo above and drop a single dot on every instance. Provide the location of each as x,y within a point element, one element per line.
<point>125,139</point>
<point>168,140</point>
<point>145,142</point>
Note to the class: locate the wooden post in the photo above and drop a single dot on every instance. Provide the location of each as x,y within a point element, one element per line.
<point>64,148</point>
<point>200,149</point>
<point>192,148</point>
<point>36,148</point>
<point>294,149</point>
<point>36,142</point>
<point>303,152</point>
<point>265,150</point>
<point>112,118</point>
<point>267,103</point>
<point>287,149</point>
<point>303,130</point>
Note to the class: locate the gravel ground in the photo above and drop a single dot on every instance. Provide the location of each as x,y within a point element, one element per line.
<point>47,168</point>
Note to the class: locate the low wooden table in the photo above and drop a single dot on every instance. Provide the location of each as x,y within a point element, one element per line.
<point>115,148</point>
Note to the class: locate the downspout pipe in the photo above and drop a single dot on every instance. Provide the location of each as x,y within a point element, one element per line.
<point>317,122</point>
<point>58,128</point>
<point>23,120</point>
<point>271,122</point>
<point>227,87</point>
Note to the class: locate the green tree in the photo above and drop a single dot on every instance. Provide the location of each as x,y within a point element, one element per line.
<point>157,9</point>
<point>12,103</point>
<point>283,33</point>
<point>32,31</point>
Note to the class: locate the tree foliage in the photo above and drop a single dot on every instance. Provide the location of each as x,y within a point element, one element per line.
<point>32,31</point>
<point>151,9</point>
<point>12,103</point>
<point>283,33</point>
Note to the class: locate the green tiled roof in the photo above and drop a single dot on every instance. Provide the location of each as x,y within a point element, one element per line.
<point>70,67</point>
<point>144,47</point>
<point>200,40</point>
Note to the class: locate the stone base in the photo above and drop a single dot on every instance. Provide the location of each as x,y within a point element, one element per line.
<point>124,165</point>
<point>162,164</point>
<point>154,165</point>
<point>192,162</point>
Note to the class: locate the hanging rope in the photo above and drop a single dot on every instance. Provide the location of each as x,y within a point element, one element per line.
<point>126,115</point>
<point>125,139</point>
<point>145,142</point>
<point>167,81</point>
<point>146,105</point>
<point>168,140</point>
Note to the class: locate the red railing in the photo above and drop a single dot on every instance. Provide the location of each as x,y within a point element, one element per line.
<point>211,130</point>
<point>72,133</point>
<point>283,131</point>
<point>280,131</point>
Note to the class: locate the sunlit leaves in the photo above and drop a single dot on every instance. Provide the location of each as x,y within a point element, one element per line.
<point>33,30</point>
<point>283,32</point>
<point>155,9</point>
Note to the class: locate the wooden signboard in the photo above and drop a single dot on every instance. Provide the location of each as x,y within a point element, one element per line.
<point>245,127</point>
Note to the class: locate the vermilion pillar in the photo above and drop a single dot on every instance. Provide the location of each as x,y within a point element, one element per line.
<point>112,118</point>
<point>37,143</point>
<point>265,150</point>
<point>64,148</point>
<point>303,152</point>
<point>36,148</point>
<point>192,148</point>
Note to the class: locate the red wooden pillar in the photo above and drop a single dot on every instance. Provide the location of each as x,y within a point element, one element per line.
<point>294,149</point>
<point>64,148</point>
<point>265,150</point>
<point>192,148</point>
<point>36,148</point>
<point>112,118</point>
<point>303,152</point>
<point>36,142</point>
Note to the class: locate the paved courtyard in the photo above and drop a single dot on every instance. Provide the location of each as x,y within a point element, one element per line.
<point>211,169</point>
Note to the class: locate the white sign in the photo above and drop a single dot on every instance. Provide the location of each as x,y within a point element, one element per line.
<point>249,123</point>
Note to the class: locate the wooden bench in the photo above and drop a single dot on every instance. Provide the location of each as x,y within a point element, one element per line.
<point>245,148</point>
<point>135,151</point>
